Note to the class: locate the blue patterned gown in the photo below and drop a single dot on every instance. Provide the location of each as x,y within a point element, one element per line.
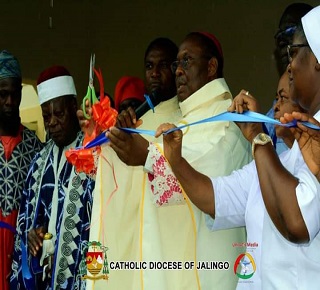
<point>51,175</point>
<point>13,172</point>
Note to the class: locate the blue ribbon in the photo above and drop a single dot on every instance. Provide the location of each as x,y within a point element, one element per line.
<point>246,116</point>
<point>27,278</point>
<point>149,102</point>
<point>100,139</point>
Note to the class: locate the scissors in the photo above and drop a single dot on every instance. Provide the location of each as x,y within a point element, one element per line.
<point>91,94</point>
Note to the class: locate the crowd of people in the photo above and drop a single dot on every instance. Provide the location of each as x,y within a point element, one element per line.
<point>242,194</point>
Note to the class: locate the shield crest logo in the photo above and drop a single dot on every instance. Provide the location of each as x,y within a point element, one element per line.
<point>94,262</point>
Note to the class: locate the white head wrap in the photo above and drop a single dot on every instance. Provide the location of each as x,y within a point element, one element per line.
<point>311,28</point>
<point>56,87</point>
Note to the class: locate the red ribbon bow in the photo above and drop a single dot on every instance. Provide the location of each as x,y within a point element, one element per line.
<point>83,159</point>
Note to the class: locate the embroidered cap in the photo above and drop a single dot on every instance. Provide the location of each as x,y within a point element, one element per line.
<point>9,66</point>
<point>55,82</point>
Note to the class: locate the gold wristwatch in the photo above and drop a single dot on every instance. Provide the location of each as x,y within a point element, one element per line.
<point>260,139</point>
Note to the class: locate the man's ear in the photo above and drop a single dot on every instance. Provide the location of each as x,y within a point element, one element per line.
<point>317,66</point>
<point>212,67</point>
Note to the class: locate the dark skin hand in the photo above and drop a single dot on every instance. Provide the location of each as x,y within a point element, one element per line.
<point>35,238</point>
<point>241,103</point>
<point>127,119</point>
<point>132,149</point>
<point>308,140</point>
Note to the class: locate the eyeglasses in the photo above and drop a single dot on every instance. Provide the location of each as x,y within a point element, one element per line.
<point>288,32</point>
<point>184,63</point>
<point>293,48</point>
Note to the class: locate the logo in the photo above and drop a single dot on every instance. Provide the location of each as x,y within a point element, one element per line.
<point>94,262</point>
<point>244,266</point>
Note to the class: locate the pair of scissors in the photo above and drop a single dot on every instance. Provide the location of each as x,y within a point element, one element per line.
<point>91,94</point>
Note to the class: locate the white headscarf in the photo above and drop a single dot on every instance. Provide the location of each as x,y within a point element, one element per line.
<point>311,28</point>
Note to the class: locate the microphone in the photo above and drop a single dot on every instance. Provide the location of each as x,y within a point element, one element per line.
<point>144,107</point>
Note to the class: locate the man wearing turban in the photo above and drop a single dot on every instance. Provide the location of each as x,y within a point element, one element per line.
<point>18,145</point>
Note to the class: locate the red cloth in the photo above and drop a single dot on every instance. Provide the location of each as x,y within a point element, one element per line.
<point>6,248</point>
<point>9,142</point>
<point>52,72</point>
<point>128,88</point>
<point>6,236</point>
<point>214,40</point>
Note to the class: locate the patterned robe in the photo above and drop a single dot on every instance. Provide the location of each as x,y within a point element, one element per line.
<point>13,171</point>
<point>59,199</point>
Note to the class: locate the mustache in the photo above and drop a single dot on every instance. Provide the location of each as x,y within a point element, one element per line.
<point>180,81</point>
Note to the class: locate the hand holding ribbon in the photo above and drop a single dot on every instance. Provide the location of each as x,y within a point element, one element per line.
<point>244,102</point>
<point>308,138</point>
